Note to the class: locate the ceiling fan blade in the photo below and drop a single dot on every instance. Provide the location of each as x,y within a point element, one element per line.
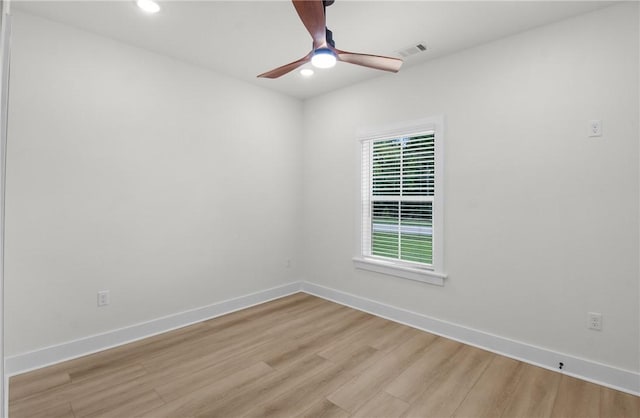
<point>372,61</point>
<point>280,71</point>
<point>311,13</point>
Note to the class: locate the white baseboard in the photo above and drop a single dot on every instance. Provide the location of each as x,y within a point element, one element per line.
<point>73,349</point>
<point>612,377</point>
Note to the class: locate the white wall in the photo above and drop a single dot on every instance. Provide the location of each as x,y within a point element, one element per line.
<point>541,222</point>
<point>169,185</point>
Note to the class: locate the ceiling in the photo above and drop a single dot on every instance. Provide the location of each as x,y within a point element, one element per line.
<point>245,38</point>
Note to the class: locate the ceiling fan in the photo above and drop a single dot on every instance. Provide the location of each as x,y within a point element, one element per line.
<point>324,53</point>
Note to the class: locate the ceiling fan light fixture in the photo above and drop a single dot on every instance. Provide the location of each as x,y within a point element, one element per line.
<point>148,6</point>
<point>323,58</point>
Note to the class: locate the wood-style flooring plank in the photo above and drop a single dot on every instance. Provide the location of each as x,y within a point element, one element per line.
<point>53,409</point>
<point>317,335</point>
<point>349,344</point>
<point>110,398</point>
<point>411,383</point>
<point>142,403</point>
<point>217,390</point>
<point>120,375</point>
<point>382,405</point>
<point>265,388</point>
<point>576,398</point>
<point>297,398</point>
<point>535,393</point>
<point>35,382</point>
<point>175,383</point>
<point>492,391</point>
<point>229,339</point>
<point>323,408</point>
<point>319,385</point>
<point>93,365</point>
<point>446,392</point>
<point>391,335</point>
<point>616,404</point>
<point>360,359</point>
<point>364,386</point>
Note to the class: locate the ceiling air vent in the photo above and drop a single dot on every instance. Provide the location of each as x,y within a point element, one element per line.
<point>413,49</point>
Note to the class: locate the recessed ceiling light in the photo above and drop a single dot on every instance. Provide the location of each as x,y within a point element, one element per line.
<point>148,6</point>
<point>306,72</point>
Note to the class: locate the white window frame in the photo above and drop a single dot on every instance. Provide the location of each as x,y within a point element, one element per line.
<point>433,274</point>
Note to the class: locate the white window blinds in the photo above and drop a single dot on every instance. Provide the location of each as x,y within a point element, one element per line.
<point>398,180</point>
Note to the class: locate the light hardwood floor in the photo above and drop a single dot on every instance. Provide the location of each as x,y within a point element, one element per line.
<point>301,356</point>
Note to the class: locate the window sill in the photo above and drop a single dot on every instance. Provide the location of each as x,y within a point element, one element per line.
<point>399,270</point>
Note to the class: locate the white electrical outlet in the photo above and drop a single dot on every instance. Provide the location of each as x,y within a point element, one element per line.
<point>595,128</point>
<point>595,321</point>
<point>103,298</point>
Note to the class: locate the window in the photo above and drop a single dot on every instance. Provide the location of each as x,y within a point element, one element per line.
<point>401,231</point>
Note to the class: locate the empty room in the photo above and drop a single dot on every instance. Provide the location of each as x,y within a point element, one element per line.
<point>317,208</point>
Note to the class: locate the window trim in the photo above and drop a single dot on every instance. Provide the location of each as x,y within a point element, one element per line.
<point>435,273</point>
